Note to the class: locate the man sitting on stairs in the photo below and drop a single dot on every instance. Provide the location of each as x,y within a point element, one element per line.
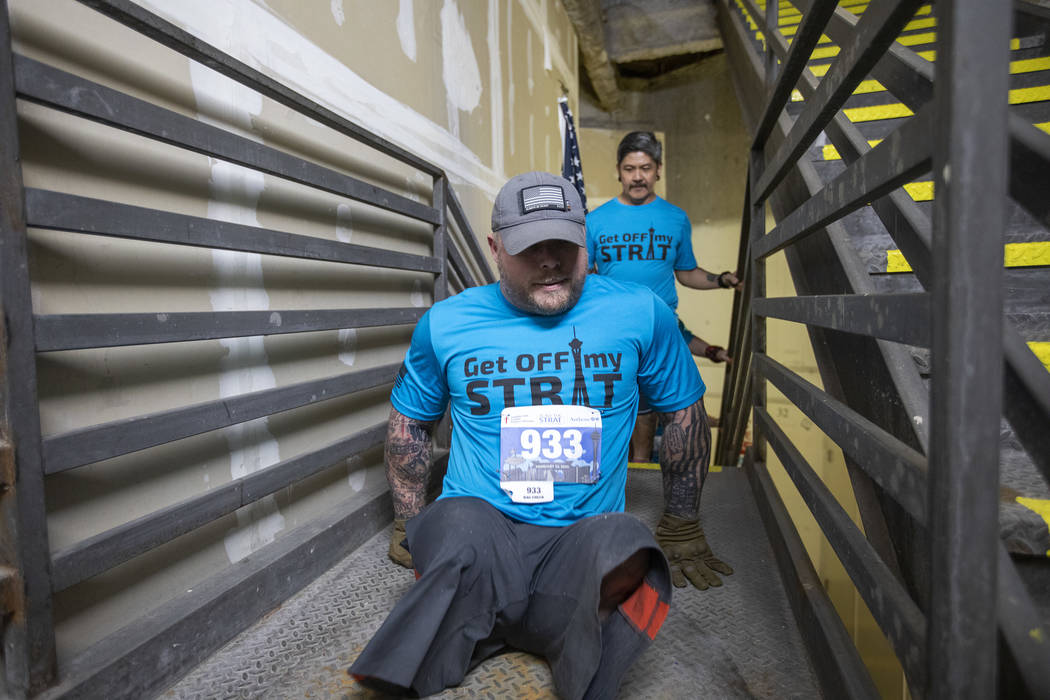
<point>528,546</point>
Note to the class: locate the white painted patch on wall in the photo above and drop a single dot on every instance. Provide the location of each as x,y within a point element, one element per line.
<point>532,135</point>
<point>344,222</point>
<point>561,125</point>
<point>406,29</point>
<point>245,367</point>
<point>337,12</point>
<point>495,86</point>
<point>528,61</point>
<point>224,103</point>
<point>459,65</point>
<point>234,196</point>
<point>536,13</point>
<point>252,448</point>
<point>511,112</point>
<point>279,50</point>
<point>416,182</point>
<point>510,88</point>
<point>347,346</point>
<point>416,298</point>
<point>355,474</point>
<point>547,66</point>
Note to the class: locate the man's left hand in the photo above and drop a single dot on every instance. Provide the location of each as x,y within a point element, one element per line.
<point>730,280</point>
<point>716,353</point>
<point>686,548</point>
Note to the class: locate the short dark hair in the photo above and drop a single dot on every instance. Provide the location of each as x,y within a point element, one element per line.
<point>644,141</point>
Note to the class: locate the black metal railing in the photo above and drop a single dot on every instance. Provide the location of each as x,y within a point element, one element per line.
<point>30,574</point>
<point>944,477</point>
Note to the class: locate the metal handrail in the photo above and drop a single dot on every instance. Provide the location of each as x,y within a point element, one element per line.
<point>457,261</point>
<point>935,661</point>
<point>163,32</point>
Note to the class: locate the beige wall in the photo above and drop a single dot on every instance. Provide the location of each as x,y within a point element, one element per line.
<point>470,85</point>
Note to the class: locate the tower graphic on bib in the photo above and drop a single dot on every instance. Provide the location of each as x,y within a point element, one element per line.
<point>579,386</point>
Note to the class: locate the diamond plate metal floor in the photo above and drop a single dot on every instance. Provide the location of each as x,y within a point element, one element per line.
<point>737,641</point>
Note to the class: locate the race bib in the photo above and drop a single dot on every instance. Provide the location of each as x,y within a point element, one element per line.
<point>543,445</point>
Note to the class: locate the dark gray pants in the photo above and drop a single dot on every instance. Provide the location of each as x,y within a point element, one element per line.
<point>487,582</point>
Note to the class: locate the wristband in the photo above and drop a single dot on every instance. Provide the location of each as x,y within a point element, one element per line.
<point>712,351</point>
<point>722,281</point>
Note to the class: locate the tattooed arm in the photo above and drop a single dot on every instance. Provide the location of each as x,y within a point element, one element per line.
<point>683,464</point>
<point>699,278</point>
<point>684,453</point>
<point>407,455</point>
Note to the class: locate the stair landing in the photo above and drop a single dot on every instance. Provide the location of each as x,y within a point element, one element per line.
<point>737,641</point>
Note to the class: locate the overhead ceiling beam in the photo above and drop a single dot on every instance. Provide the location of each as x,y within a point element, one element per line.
<point>586,17</point>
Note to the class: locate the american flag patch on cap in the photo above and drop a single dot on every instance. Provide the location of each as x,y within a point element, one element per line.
<point>543,197</point>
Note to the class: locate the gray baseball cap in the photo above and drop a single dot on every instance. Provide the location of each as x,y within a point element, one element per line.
<point>535,207</point>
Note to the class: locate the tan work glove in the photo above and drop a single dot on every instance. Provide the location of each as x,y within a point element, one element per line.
<point>397,553</point>
<point>685,547</point>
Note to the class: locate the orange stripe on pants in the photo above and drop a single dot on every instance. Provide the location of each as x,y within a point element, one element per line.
<point>645,610</point>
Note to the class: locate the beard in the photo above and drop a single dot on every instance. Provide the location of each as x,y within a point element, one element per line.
<point>538,301</point>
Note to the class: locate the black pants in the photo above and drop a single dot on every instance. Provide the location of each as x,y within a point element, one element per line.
<point>487,582</point>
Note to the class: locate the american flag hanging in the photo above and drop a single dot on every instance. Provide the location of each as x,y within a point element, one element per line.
<point>571,169</point>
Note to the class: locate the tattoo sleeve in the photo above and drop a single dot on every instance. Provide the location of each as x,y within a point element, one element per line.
<point>684,452</point>
<point>407,455</point>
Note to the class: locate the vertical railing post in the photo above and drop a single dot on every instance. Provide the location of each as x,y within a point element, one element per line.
<point>772,19</point>
<point>733,414</point>
<point>441,237</point>
<point>25,558</point>
<point>969,167</point>
<point>758,291</point>
<point>756,164</point>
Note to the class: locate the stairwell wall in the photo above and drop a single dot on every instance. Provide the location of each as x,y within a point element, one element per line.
<point>470,85</point>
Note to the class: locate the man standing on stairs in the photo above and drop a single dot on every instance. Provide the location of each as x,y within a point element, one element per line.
<point>641,237</point>
<point>528,545</point>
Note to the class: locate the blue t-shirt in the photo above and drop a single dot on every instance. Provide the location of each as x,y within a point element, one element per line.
<point>482,354</point>
<point>642,243</point>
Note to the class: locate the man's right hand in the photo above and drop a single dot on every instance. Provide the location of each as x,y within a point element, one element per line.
<point>397,553</point>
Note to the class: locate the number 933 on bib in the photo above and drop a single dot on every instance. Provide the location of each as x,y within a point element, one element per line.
<point>542,445</point>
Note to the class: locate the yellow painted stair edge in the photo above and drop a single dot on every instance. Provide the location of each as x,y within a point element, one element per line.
<point>1031,254</point>
<point>1040,506</point>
